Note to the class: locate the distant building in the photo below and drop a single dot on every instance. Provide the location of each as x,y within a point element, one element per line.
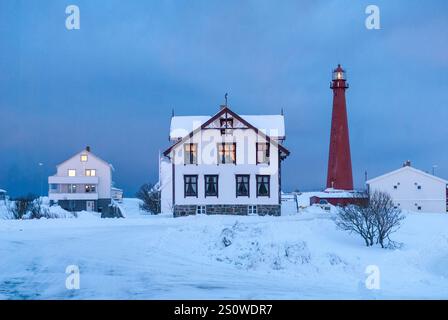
<point>83,182</point>
<point>3,194</point>
<point>117,194</point>
<point>413,189</point>
<point>339,198</point>
<point>223,164</point>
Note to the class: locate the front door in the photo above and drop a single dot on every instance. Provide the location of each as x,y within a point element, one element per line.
<point>90,205</point>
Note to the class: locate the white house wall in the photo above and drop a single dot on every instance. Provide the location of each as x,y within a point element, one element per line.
<point>207,141</point>
<point>431,197</point>
<point>166,186</point>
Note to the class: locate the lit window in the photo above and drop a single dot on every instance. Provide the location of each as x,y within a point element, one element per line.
<point>71,172</point>
<point>90,173</point>
<point>262,153</point>
<point>83,158</point>
<point>191,153</point>
<point>227,153</point>
<point>90,188</point>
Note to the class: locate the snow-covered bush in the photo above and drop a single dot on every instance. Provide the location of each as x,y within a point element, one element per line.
<point>19,208</point>
<point>150,197</point>
<point>250,248</point>
<point>38,210</point>
<point>29,207</point>
<point>374,221</point>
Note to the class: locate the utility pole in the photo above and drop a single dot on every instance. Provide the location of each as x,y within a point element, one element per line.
<point>41,169</point>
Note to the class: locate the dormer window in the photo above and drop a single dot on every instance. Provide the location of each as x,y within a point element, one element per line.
<point>226,123</point>
<point>84,158</point>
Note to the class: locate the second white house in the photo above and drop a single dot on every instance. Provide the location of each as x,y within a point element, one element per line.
<point>413,189</point>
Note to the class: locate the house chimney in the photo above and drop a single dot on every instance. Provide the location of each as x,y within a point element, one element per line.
<point>88,148</point>
<point>407,163</point>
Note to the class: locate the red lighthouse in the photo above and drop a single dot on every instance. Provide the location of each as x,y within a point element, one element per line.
<point>339,175</point>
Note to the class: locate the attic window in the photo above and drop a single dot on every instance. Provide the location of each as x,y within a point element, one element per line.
<point>83,158</point>
<point>226,123</point>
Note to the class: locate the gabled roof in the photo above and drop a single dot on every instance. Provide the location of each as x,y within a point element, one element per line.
<point>271,125</point>
<point>197,128</point>
<point>407,168</point>
<point>90,154</point>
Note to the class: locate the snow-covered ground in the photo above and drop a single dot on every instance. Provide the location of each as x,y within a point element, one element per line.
<point>297,256</point>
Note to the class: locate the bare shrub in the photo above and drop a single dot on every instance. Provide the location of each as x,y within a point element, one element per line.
<point>387,217</point>
<point>150,197</point>
<point>358,219</point>
<point>374,220</point>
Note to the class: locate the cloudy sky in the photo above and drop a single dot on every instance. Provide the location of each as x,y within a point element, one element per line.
<point>113,83</point>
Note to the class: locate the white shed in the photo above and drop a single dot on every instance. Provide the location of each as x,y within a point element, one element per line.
<point>413,189</point>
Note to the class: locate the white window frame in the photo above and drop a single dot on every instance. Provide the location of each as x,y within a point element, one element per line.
<point>252,210</point>
<point>201,209</point>
<point>71,171</point>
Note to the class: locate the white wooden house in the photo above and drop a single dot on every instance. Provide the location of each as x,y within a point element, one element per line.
<point>413,189</point>
<point>83,182</point>
<point>223,164</point>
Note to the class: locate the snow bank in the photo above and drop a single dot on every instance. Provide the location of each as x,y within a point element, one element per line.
<point>219,257</point>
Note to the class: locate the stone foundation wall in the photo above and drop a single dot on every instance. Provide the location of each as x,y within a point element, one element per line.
<point>184,210</point>
<point>227,209</point>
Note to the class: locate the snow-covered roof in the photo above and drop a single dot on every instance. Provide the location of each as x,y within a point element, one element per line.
<point>271,125</point>
<point>2,191</point>
<point>303,199</point>
<point>407,168</point>
<point>91,155</point>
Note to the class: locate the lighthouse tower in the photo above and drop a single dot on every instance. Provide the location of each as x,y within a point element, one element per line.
<point>339,175</point>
